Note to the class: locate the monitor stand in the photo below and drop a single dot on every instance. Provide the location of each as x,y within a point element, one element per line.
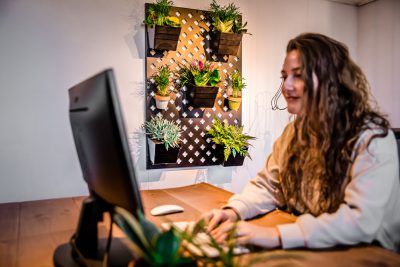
<point>85,248</point>
<point>119,255</point>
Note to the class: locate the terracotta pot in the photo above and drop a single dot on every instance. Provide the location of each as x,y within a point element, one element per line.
<point>234,102</point>
<point>162,101</point>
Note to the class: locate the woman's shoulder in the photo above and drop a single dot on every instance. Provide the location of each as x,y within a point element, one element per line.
<point>289,130</point>
<point>285,136</point>
<point>375,139</point>
<point>281,143</point>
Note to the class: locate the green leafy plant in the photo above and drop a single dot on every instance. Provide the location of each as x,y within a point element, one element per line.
<point>162,80</point>
<point>236,82</point>
<point>199,74</point>
<point>148,242</point>
<point>163,130</point>
<point>168,248</point>
<point>231,137</point>
<point>158,14</point>
<point>227,18</point>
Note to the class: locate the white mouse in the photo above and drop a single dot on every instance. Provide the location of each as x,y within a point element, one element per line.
<point>166,209</point>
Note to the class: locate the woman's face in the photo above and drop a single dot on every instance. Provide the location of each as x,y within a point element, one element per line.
<point>293,83</point>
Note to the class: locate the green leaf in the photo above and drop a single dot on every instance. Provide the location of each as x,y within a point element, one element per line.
<point>201,80</point>
<point>226,18</point>
<point>131,227</point>
<point>215,78</point>
<point>158,12</point>
<point>198,74</point>
<point>167,247</point>
<point>167,132</point>
<point>230,137</point>
<point>199,226</point>
<point>152,231</point>
<point>133,241</point>
<point>234,151</point>
<point>162,80</point>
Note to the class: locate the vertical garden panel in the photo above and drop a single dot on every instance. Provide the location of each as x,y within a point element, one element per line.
<point>194,44</point>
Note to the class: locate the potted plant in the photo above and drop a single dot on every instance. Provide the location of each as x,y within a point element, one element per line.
<point>162,81</point>
<point>174,246</point>
<point>202,81</point>
<point>163,140</point>
<point>237,85</point>
<point>150,245</point>
<point>234,144</point>
<point>228,28</point>
<point>164,29</point>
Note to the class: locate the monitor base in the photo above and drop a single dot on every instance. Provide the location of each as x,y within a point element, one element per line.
<point>119,255</point>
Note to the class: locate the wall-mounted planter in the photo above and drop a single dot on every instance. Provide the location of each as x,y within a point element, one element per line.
<point>162,101</point>
<point>163,37</point>
<point>225,43</point>
<point>232,161</point>
<point>180,109</point>
<point>202,96</point>
<point>159,154</point>
<point>234,102</point>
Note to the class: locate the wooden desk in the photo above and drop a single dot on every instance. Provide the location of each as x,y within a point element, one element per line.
<point>31,231</point>
<point>197,199</point>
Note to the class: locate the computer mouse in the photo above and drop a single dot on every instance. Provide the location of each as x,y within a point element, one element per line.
<point>166,209</point>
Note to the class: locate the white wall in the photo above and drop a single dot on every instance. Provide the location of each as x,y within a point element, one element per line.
<point>379,53</point>
<point>48,46</point>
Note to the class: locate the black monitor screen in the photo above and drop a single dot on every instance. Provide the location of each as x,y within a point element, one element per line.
<point>101,142</point>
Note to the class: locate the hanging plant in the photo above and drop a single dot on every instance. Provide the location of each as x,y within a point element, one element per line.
<point>164,30</point>
<point>164,140</point>
<point>158,14</point>
<point>234,143</point>
<point>202,81</point>
<point>228,28</point>
<point>162,79</point>
<point>236,83</point>
<point>227,19</point>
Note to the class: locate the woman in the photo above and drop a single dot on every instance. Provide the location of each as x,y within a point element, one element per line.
<point>336,165</point>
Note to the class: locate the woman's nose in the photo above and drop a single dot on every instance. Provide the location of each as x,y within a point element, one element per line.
<point>288,84</point>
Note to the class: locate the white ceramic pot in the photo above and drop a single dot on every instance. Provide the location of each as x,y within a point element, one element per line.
<point>162,101</point>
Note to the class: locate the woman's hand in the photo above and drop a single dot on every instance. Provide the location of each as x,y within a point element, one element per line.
<point>217,216</point>
<point>247,233</point>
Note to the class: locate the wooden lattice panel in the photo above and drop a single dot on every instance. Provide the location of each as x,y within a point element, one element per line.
<point>197,149</point>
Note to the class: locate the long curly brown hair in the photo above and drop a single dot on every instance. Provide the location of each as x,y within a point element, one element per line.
<point>315,169</point>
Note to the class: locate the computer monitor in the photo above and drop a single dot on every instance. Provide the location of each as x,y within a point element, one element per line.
<point>105,158</point>
<point>101,141</point>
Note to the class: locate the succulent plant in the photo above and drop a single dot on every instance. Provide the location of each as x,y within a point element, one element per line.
<point>163,130</point>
